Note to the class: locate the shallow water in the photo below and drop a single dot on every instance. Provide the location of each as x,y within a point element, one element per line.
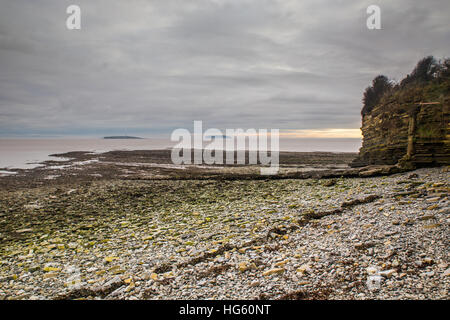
<point>29,153</point>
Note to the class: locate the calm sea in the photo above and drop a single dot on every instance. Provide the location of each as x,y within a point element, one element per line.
<point>28,153</point>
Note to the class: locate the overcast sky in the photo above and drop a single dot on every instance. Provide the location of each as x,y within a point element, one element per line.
<point>147,67</point>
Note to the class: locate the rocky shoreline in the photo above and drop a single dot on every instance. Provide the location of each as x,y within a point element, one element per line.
<point>111,234</point>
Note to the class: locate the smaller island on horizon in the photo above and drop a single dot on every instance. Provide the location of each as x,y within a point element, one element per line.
<point>122,137</point>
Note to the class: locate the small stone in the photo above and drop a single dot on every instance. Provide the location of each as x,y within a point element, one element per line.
<point>72,245</point>
<point>374,282</point>
<point>281,263</point>
<point>387,273</point>
<point>49,269</point>
<point>118,271</point>
<point>273,271</point>
<point>372,270</point>
<point>24,230</point>
<point>34,268</point>
<point>305,268</point>
<point>432,226</point>
<point>329,182</point>
<point>364,245</point>
<point>111,259</point>
<point>418,263</point>
<point>113,282</point>
<point>243,266</point>
<point>254,284</point>
<point>408,222</point>
<point>71,269</point>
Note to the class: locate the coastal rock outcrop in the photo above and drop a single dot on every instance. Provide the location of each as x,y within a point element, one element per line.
<point>409,127</point>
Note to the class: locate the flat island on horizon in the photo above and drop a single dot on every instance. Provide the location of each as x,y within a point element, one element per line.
<point>122,137</point>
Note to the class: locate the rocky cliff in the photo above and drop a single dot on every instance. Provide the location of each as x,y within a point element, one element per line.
<point>410,127</point>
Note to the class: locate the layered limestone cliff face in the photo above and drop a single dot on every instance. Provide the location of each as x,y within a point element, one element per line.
<point>410,128</point>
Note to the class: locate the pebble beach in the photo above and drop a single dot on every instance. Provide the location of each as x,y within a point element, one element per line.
<point>379,237</point>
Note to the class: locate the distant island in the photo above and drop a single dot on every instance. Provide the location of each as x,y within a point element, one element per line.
<point>220,136</point>
<point>121,137</point>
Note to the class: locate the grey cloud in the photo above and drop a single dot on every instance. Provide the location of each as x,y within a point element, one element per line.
<point>151,66</point>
